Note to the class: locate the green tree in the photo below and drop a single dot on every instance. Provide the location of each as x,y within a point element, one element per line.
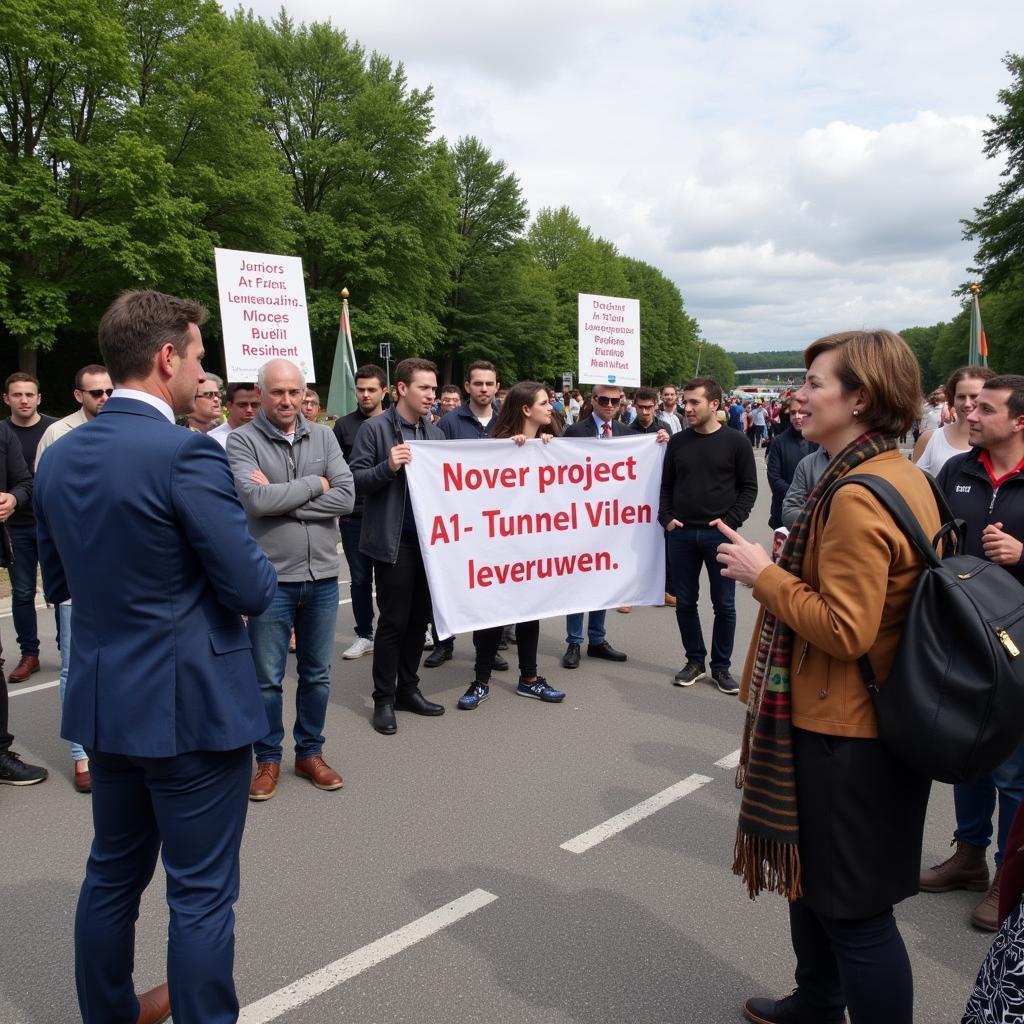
<point>716,362</point>
<point>577,262</point>
<point>484,304</point>
<point>998,225</point>
<point>668,335</point>
<point>373,206</point>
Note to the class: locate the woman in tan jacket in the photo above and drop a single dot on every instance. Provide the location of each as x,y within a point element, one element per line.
<point>829,817</point>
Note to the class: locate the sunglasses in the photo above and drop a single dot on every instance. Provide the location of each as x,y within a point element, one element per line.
<point>209,394</point>
<point>605,400</point>
<point>97,392</point>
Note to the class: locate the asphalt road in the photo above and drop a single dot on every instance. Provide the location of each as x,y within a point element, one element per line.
<point>347,894</point>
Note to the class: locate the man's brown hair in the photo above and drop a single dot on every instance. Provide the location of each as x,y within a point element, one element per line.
<point>405,370</point>
<point>137,324</point>
<point>712,389</point>
<point>19,377</point>
<point>92,369</point>
<point>1015,383</point>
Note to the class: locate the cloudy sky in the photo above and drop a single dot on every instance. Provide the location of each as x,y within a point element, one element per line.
<point>794,167</point>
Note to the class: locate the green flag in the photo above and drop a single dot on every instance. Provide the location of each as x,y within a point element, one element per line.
<point>341,399</point>
<point>977,352</point>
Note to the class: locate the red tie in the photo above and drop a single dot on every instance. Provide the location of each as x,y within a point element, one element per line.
<point>606,430</point>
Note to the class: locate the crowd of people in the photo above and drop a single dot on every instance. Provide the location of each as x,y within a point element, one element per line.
<point>247,531</point>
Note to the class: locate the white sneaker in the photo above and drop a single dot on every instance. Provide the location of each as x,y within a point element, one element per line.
<point>358,649</point>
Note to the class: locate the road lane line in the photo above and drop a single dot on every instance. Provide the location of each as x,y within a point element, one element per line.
<point>729,761</point>
<point>32,689</point>
<point>642,810</point>
<point>318,982</point>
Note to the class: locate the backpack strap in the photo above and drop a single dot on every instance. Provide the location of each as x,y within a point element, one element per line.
<point>893,502</point>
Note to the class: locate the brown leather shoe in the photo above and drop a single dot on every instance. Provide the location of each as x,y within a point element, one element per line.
<point>966,869</point>
<point>264,783</point>
<point>319,772</point>
<point>670,600</point>
<point>155,1005</point>
<point>83,782</point>
<point>986,913</point>
<point>28,666</point>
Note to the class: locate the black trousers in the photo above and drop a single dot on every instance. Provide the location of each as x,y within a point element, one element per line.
<point>403,606</point>
<point>6,739</point>
<point>486,642</point>
<point>860,963</point>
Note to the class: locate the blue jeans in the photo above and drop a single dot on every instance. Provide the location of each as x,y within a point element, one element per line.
<point>311,607</point>
<point>595,627</point>
<point>64,618</point>
<point>689,549</point>
<point>976,803</point>
<point>360,569</point>
<point>23,588</point>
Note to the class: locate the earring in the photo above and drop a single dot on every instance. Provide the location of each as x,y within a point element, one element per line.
<point>856,412</point>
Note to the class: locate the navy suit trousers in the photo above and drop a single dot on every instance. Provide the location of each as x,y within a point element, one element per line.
<point>194,805</point>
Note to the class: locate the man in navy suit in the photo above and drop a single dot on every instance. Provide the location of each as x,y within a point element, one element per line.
<point>601,423</point>
<point>162,691</point>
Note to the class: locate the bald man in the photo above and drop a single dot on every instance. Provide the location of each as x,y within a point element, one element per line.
<point>293,484</point>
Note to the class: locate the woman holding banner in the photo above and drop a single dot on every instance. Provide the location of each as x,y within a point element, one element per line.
<point>525,414</point>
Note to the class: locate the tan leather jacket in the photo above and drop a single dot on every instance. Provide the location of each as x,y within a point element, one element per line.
<point>851,598</point>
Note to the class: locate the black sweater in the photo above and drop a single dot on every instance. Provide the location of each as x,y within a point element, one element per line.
<point>708,476</point>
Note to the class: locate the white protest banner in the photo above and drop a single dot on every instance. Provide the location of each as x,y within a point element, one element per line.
<point>609,340</point>
<point>511,534</point>
<point>262,312</point>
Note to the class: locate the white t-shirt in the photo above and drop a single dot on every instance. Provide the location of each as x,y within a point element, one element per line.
<point>220,434</point>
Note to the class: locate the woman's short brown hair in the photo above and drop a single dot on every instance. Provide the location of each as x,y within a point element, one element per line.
<point>881,363</point>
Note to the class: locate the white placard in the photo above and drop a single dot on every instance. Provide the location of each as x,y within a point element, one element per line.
<point>262,312</point>
<point>609,340</point>
<point>511,534</point>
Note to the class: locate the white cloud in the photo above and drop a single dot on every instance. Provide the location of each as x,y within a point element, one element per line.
<point>794,168</point>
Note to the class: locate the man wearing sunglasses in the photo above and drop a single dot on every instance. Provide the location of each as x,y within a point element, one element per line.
<point>206,410</point>
<point>92,389</point>
<point>601,423</point>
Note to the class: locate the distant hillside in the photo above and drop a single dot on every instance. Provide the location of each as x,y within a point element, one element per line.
<point>764,360</point>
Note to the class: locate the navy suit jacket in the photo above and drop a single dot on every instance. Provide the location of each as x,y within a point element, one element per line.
<point>588,428</point>
<point>138,523</point>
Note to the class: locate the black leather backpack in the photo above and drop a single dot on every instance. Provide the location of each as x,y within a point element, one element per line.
<point>952,708</point>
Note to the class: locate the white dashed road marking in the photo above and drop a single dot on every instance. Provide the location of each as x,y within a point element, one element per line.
<point>642,810</point>
<point>323,980</point>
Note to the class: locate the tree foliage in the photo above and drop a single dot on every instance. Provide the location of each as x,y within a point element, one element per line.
<point>137,135</point>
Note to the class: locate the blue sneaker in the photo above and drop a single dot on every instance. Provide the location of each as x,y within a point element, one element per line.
<point>539,690</point>
<point>474,696</point>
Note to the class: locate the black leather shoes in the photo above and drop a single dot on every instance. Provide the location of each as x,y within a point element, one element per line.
<point>384,719</point>
<point>438,656</point>
<point>571,658</point>
<point>784,1011</point>
<point>415,702</point>
<point>499,664</point>
<point>604,650</point>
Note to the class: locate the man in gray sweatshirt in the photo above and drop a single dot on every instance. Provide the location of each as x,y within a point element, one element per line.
<point>294,484</point>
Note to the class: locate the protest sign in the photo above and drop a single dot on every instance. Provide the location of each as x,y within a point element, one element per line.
<point>262,312</point>
<point>609,340</point>
<point>510,534</point>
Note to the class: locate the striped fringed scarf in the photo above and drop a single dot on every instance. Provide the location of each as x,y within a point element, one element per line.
<point>767,856</point>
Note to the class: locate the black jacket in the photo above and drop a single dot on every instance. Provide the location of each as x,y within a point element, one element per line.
<point>968,489</point>
<point>15,476</point>
<point>383,489</point>
<point>345,430</point>
<point>785,452</point>
<point>588,428</point>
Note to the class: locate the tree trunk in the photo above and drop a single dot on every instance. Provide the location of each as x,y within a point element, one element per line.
<point>28,358</point>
